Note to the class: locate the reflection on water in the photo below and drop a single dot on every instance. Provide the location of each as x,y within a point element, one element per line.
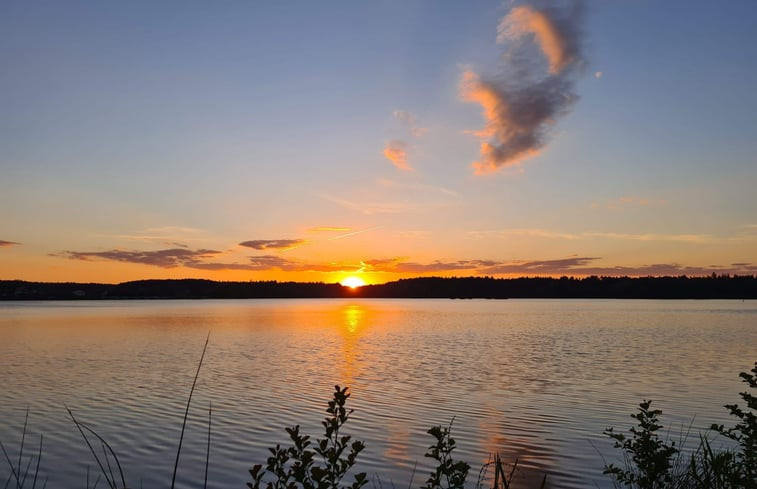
<point>352,318</point>
<point>536,380</point>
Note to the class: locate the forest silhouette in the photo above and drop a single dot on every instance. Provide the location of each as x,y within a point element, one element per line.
<point>682,287</point>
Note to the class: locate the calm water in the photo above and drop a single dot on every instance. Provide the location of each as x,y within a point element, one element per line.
<point>533,379</point>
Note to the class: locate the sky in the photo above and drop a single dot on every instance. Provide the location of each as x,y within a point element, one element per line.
<point>315,141</point>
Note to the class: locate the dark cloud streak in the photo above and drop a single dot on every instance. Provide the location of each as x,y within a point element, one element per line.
<point>277,244</point>
<point>169,258</point>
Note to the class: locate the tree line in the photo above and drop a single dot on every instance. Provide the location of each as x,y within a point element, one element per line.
<point>682,287</point>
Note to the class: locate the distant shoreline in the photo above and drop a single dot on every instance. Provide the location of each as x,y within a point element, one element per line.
<point>709,287</point>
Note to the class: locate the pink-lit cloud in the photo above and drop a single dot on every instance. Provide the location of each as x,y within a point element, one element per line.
<point>521,102</point>
<point>396,152</point>
<point>554,32</point>
<point>410,122</point>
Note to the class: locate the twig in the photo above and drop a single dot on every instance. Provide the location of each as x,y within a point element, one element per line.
<point>186,413</point>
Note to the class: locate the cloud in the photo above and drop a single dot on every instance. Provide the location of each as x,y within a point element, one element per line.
<point>270,262</point>
<point>548,234</point>
<point>202,260</point>
<point>631,201</point>
<point>168,258</point>
<point>554,30</point>
<point>571,266</point>
<point>396,152</point>
<point>371,207</point>
<point>416,187</point>
<point>399,265</point>
<point>168,235</point>
<point>353,233</point>
<point>581,266</point>
<point>539,267</point>
<point>7,244</point>
<point>680,238</point>
<point>328,229</point>
<point>540,233</point>
<point>410,122</point>
<point>521,102</point>
<point>277,244</point>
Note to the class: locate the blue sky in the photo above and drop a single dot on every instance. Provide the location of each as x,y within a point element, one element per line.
<point>138,127</point>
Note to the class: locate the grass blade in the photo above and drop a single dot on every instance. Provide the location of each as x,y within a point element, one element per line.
<point>91,449</point>
<point>10,464</point>
<point>23,438</point>
<point>115,457</point>
<point>39,459</point>
<point>186,413</point>
<point>207,453</point>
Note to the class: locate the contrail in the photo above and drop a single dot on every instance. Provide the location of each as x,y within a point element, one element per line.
<point>354,233</point>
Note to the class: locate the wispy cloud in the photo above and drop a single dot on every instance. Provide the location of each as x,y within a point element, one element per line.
<point>276,263</point>
<point>328,229</point>
<point>269,262</point>
<point>168,258</point>
<point>539,233</point>
<point>204,260</point>
<point>169,235</point>
<point>580,266</point>
<point>550,234</point>
<point>369,208</point>
<point>523,100</point>
<point>539,267</point>
<point>396,152</point>
<point>353,233</point>
<point>571,266</point>
<point>273,244</point>
<point>630,201</point>
<point>416,187</point>
<point>680,238</point>
<point>399,265</point>
<point>410,122</point>
<point>7,244</point>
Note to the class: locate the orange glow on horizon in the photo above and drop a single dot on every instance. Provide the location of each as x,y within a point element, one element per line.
<point>353,282</point>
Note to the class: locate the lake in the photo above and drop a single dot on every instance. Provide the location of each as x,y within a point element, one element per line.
<point>536,380</point>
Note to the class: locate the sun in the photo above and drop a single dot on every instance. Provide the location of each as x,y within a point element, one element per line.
<point>353,282</point>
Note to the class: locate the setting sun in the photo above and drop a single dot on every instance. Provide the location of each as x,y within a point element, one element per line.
<point>353,282</point>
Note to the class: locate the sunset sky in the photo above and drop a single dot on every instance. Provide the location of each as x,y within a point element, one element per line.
<point>312,141</point>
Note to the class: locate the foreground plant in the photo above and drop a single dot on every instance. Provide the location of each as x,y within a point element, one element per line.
<point>295,467</point>
<point>649,459</point>
<point>448,474</point>
<point>652,463</point>
<point>744,434</point>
